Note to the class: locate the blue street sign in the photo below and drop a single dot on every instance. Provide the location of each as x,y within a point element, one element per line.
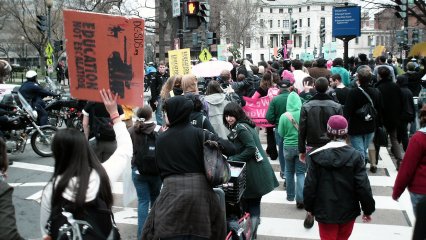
<point>346,21</point>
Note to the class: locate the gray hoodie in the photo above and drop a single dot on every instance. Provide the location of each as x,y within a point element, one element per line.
<point>217,103</point>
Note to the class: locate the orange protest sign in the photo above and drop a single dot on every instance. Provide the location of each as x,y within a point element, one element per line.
<point>105,51</point>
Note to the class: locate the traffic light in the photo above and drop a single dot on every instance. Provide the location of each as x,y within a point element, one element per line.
<point>195,41</point>
<point>294,26</point>
<point>415,36</point>
<point>204,12</point>
<point>192,8</point>
<point>401,9</point>
<point>41,23</point>
<point>209,37</point>
<point>322,31</point>
<point>191,11</point>
<point>58,45</point>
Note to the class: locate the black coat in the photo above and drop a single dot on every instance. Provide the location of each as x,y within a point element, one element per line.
<point>8,229</point>
<point>336,184</point>
<point>414,80</point>
<point>355,100</point>
<point>408,110</point>
<point>392,103</point>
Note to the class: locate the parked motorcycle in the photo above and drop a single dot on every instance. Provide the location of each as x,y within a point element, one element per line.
<point>63,110</point>
<point>22,125</point>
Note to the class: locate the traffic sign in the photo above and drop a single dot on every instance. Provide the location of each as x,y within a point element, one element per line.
<point>176,8</point>
<point>205,55</point>
<point>49,62</point>
<point>48,50</point>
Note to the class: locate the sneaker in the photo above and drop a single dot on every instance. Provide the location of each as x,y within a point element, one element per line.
<point>309,221</point>
<point>282,175</point>
<point>373,169</point>
<point>300,205</point>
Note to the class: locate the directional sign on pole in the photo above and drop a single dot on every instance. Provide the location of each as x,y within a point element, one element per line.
<point>205,55</point>
<point>176,8</point>
<point>49,50</point>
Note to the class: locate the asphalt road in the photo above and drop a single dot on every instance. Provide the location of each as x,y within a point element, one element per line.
<point>279,218</point>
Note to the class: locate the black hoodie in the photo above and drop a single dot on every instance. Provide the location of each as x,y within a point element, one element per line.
<point>179,149</point>
<point>336,184</point>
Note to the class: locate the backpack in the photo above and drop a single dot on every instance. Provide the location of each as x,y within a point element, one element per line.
<point>102,127</point>
<point>197,119</point>
<point>94,222</point>
<point>144,157</point>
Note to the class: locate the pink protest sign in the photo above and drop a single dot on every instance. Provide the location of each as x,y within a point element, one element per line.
<point>256,110</point>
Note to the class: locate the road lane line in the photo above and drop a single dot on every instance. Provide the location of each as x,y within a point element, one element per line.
<point>32,166</point>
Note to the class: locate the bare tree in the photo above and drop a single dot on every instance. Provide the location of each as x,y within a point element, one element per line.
<point>239,21</point>
<point>416,10</point>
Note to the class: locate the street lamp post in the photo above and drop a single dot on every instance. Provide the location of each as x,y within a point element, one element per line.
<point>49,4</point>
<point>290,11</point>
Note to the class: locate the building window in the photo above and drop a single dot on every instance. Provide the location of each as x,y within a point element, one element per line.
<point>271,41</point>
<point>261,9</point>
<point>300,9</point>
<point>356,41</point>
<point>300,41</point>
<point>248,42</point>
<point>281,10</point>
<point>308,41</point>
<point>333,39</point>
<point>370,40</point>
<point>262,23</point>
<point>309,22</point>
<point>294,41</point>
<point>270,10</point>
<point>228,41</point>
<point>300,22</point>
<point>270,23</point>
<point>286,23</point>
<point>262,57</point>
<point>261,42</point>
<point>308,8</point>
<point>279,23</point>
<point>322,8</point>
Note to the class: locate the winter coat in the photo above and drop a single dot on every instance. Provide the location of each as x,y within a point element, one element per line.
<point>355,100</point>
<point>217,103</point>
<point>260,178</point>
<point>392,103</point>
<point>285,128</point>
<point>414,80</point>
<point>408,110</point>
<point>277,107</point>
<point>187,203</point>
<point>314,116</point>
<point>336,184</point>
<point>8,229</point>
<point>344,74</point>
<point>412,172</point>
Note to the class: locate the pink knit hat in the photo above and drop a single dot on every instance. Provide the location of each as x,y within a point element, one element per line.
<point>337,125</point>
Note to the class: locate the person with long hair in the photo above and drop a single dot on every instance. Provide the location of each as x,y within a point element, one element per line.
<point>260,178</point>
<point>79,178</point>
<point>187,207</point>
<point>8,229</point>
<point>147,185</point>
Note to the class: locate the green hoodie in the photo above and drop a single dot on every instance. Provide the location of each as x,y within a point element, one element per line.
<point>285,127</point>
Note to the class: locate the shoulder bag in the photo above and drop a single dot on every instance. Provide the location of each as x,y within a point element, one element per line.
<point>290,117</point>
<point>216,167</point>
<point>367,112</point>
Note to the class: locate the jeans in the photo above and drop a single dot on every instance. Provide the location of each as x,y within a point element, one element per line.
<point>159,112</point>
<point>416,198</point>
<point>147,190</point>
<point>294,166</point>
<point>361,142</point>
<point>280,143</point>
<point>103,149</point>
<point>396,148</point>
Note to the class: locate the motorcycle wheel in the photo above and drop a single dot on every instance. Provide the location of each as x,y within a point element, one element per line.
<point>42,145</point>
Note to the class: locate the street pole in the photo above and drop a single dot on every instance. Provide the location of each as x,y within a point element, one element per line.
<point>290,11</point>
<point>49,4</point>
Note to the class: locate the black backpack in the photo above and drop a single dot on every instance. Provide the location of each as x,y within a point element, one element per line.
<point>102,127</point>
<point>94,222</point>
<point>144,156</point>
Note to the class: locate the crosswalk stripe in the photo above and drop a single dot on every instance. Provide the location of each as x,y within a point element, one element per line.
<point>31,166</point>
